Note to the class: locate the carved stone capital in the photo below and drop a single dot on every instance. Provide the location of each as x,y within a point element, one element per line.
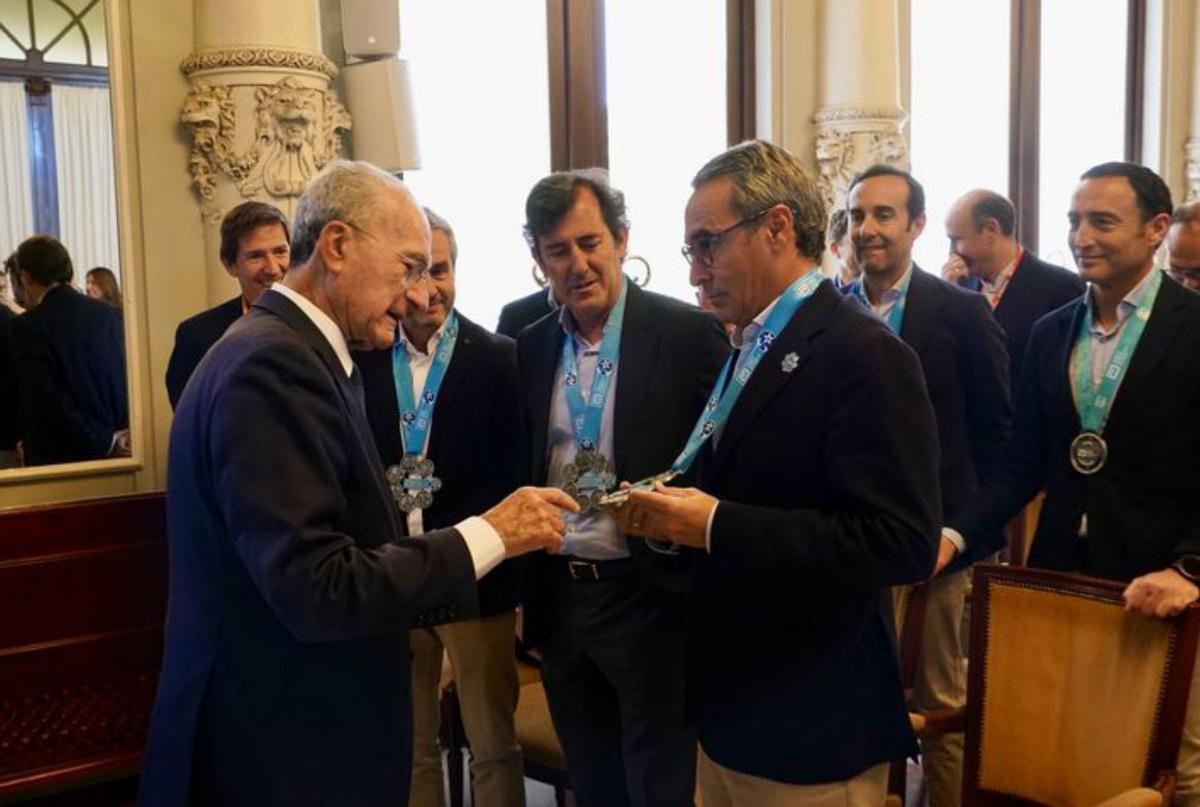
<point>275,58</point>
<point>851,138</point>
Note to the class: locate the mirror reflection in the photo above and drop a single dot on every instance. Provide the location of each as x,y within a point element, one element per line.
<point>63,384</point>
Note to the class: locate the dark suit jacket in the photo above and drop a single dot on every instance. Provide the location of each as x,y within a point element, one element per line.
<point>1035,289</point>
<point>10,411</point>
<point>193,338</point>
<point>286,673</point>
<point>1142,507</point>
<point>670,355</point>
<point>962,353</point>
<point>525,311</point>
<point>827,476</point>
<point>475,443</point>
<point>69,352</point>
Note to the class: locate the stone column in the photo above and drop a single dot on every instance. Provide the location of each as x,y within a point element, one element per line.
<point>859,119</point>
<point>1193,143</point>
<point>260,111</point>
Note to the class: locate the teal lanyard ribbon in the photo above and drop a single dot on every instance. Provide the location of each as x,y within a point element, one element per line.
<point>1094,403</point>
<point>416,418</point>
<point>723,397</point>
<point>586,415</point>
<point>895,317</point>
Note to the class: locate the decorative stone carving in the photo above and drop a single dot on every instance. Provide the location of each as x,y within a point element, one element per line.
<point>852,138</point>
<point>210,114</point>
<point>1193,169</point>
<point>239,58</point>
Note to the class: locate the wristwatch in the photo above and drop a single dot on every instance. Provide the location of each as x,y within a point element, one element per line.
<point>1189,567</point>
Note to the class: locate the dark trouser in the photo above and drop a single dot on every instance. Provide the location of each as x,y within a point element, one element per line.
<point>613,668</point>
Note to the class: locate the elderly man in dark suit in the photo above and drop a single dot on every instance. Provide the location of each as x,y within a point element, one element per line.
<point>447,393</point>
<point>285,677</point>
<point>985,256</point>
<point>69,354</point>
<point>612,384</point>
<point>255,252</point>
<point>816,467</point>
<point>1106,421</point>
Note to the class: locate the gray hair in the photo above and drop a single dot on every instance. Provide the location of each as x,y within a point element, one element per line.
<point>765,175</point>
<point>342,191</point>
<point>436,222</point>
<point>1186,214</point>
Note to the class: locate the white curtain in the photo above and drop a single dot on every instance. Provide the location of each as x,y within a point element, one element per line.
<point>16,187</point>
<point>87,194</point>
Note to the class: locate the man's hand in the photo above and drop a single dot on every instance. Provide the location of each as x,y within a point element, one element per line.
<point>530,519</point>
<point>1160,594</point>
<point>667,514</point>
<point>946,552</point>
<point>954,270</point>
<point>122,445</point>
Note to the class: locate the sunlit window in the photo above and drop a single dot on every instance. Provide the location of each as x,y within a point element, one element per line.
<point>960,90</point>
<point>483,121</point>
<point>666,117</point>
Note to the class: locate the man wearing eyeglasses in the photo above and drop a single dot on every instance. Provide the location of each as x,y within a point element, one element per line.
<point>816,474</point>
<point>292,591</point>
<point>612,382</point>
<point>1183,243</point>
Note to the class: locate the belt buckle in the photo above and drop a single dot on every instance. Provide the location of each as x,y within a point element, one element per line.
<point>576,567</point>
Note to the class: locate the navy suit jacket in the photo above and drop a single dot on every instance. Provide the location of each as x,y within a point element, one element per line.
<point>69,352</point>
<point>1142,506</point>
<point>525,311</point>
<point>193,338</point>
<point>669,358</point>
<point>475,444</point>
<point>286,672</point>
<point>10,412</point>
<point>827,480</point>
<point>1035,289</point>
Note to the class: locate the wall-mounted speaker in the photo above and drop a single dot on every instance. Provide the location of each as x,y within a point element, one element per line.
<point>380,101</point>
<point>371,28</point>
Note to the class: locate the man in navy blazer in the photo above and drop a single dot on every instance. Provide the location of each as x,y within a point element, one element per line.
<point>292,590</point>
<point>255,252</point>
<point>69,354</point>
<point>986,257</point>
<point>820,492</point>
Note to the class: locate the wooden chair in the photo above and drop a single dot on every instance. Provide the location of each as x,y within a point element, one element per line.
<point>83,596</point>
<point>1071,699</point>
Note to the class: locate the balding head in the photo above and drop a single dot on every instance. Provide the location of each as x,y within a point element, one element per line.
<point>980,228</point>
<point>1183,242</point>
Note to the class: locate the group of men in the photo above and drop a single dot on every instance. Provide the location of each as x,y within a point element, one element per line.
<point>726,623</point>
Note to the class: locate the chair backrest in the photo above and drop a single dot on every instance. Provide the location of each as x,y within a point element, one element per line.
<point>1071,699</point>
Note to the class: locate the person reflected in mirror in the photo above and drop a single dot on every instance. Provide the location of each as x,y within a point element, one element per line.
<point>255,251</point>
<point>102,285</point>
<point>69,354</point>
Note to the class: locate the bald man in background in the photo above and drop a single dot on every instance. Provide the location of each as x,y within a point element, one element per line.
<point>1183,242</point>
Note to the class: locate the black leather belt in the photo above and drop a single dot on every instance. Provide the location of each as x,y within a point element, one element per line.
<point>594,571</point>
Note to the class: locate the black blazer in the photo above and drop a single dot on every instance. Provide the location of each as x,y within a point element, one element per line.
<point>286,669</point>
<point>525,311</point>
<point>1035,289</point>
<point>194,336</point>
<point>10,411</point>
<point>1142,507</point>
<point>827,476</point>
<point>965,363</point>
<point>670,355</point>
<point>475,443</point>
<point>69,352</point>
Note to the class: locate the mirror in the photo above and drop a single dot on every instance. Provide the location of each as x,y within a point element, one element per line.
<point>64,387</point>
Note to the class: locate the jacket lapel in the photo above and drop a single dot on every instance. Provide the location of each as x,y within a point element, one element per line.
<point>1065,344</point>
<point>452,382</point>
<point>545,339</point>
<point>639,343</point>
<point>1152,347</point>
<point>920,309</point>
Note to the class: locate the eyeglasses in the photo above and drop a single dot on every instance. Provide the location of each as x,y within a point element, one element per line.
<point>702,247</point>
<point>414,272</point>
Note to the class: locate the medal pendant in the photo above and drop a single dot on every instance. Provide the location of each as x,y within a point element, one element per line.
<point>412,483</point>
<point>1088,453</point>
<point>587,478</point>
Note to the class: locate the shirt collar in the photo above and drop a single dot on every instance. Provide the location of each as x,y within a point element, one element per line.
<point>430,348</point>
<point>569,326</point>
<point>327,327</point>
<point>895,292</point>
<point>740,337</point>
<point>1006,273</point>
<point>1129,303</point>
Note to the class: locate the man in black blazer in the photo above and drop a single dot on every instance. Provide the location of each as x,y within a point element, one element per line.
<point>985,257</point>
<point>965,364</point>
<point>820,491</point>
<point>285,676</point>
<point>1123,506</point>
<point>529,309</point>
<point>69,354</point>
<point>474,443</point>
<point>10,412</point>
<point>255,252</point>
<point>608,612</point>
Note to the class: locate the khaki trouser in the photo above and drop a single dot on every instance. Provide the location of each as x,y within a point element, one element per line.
<point>721,787</point>
<point>941,683</point>
<point>1187,793</point>
<point>485,675</point>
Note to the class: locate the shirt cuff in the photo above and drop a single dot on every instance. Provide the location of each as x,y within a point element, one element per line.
<point>712,514</point>
<point>483,542</point>
<point>955,537</point>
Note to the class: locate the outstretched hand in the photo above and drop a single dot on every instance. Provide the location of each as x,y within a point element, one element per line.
<point>530,519</point>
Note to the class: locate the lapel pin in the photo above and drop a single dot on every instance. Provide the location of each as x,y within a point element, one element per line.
<point>789,363</point>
